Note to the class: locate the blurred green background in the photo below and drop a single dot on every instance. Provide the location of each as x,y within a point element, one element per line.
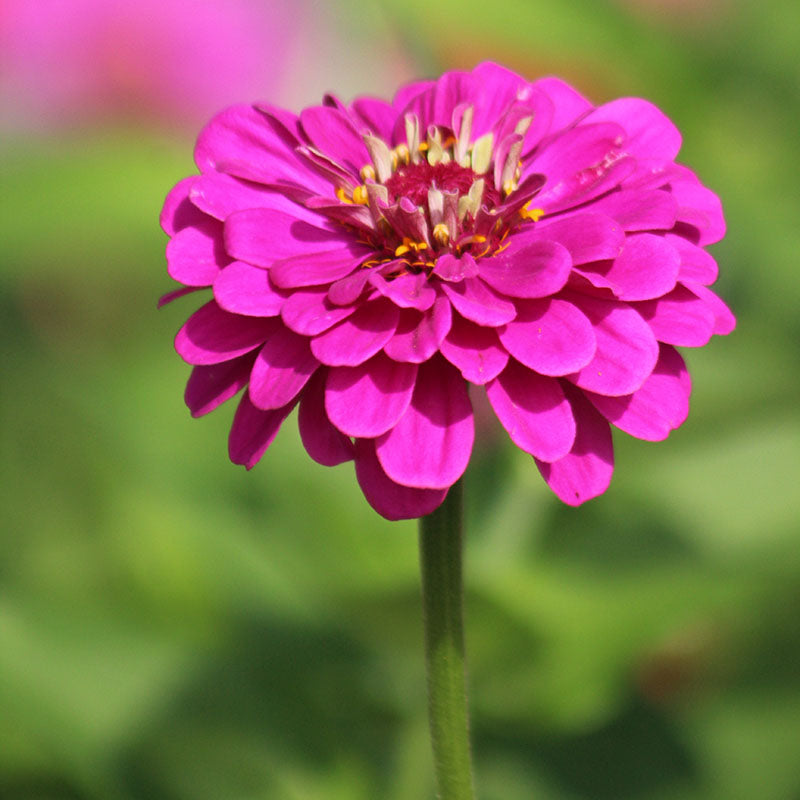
<point>173,627</point>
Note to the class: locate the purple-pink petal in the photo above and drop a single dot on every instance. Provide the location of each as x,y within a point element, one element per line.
<point>334,135</point>
<point>419,334</point>
<point>243,289</point>
<point>316,269</point>
<point>473,299</point>
<point>178,211</point>
<point>323,442</point>
<point>262,236</point>
<point>454,268</point>
<point>647,267</point>
<point>359,337</point>
<point>649,132</point>
<point>195,255</point>
<point>697,265</point>
<point>658,407</point>
<point>724,320</point>
<point>212,335</point>
<point>282,368</point>
<point>211,385</point>
<point>626,351</point>
<point>679,318</point>
<point>388,498</point>
<point>368,400</point>
<point>475,350</point>
<point>586,235</point>
<point>532,269</point>
<point>412,290</point>
<point>699,208</point>
<point>568,104</point>
<point>534,411</point>
<point>347,290</point>
<point>377,116</point>
<point>309,312</point>
<point>585,472</point>
<point>430,446</point>
<point>254,430</point>
<point>551,336</point>
<point>639,209</point>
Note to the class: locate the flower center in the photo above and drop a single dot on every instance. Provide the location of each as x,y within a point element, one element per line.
<point>415,180</point>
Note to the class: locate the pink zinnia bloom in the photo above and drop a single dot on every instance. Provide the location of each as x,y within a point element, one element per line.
<point>370,261</point>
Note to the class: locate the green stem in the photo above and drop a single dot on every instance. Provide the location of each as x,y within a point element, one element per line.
<point>442,600</point>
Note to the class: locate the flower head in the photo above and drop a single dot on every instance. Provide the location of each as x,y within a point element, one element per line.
<point>370,261</point>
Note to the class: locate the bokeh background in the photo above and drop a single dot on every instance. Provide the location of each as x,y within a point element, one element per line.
<point>175,628</point>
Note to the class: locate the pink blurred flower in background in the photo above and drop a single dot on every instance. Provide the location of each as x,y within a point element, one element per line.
<point>369,261</point>
<point>173,60</point>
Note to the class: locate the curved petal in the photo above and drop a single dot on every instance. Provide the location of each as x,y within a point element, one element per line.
<point>551,336</point>
<point>316,269</point>
<point>658,407</point>
<point>626,352</point>
<point>368,400</point>
<point>586,235</point>
<point>406,291</point>
<point>699,208</point>
<point>455,268</point>
<point>532,269</point>
<point>359,337</point>
<point>534,411</point>
<point>243,289</point>
<point>724,320</point>
<point>568,105</point>
<point>430,446</point>
<point>473,299</point>
<point>211,335</point>
<point>390,499</point>
<point>309,312</point>
<point>195,255</point>
<point>585,472</point>
<point>178,211</point>
<point>697,265</point>
<point>254,430</point>
<point>323,442</point>
<point>639,209</point>
<point>211,385</point>
<point>679,318</point>
<point>334,135</point>
<point>282,368</point>
<point>475,350</point>
<point>419,335</point>
<point>378,116</point>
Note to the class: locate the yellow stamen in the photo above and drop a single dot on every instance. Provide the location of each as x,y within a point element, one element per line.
<point>534,214</point>
<point>400,154</point>
<point>509,186</point>
<point>401,250</point>
<point>341,193</point>
<point>441,234</point>
<point>367,173</point>
<point>423,146</point>
<point>360,195</point>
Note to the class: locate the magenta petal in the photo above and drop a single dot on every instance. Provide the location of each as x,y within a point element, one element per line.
<point>390,499</point>
<point>700,208</point>
<point>244,141</point>
<point>639,209</point>
<point>626,352</point>
<point>585,472</point>
<point>210,386</point>
<point>551,336</point>
<point>587,236</point>
<point>323,442</point>
<point>212,335</point>
<point>406,291</point>
<point>176,293</point>
<point>359,337</point>
<point>195,255</point>
<point>568,105</point>
<point>282,368</point>
<point>724,320</point>
<point>454,268</point>
<point>647,268</point>
<point>334,135</point>
<point>650,133</point>
<point>419,335</point>
<point>679,318</point>
<point>262,236</point>
<point>534,411</point>
<point>378,116</point>
<point>473,299</point>
<point>659,406</point>
<point>178,211</point>
<point>309,312</point>
<point>242,289</point>
<point>316,269</point>
<point>368,400</point>
<point>534,269</point>
<point>347,290</point>
<point>254,430</point>
<point>697,265</point>
<point>475,350</point>
<point>430,446</point>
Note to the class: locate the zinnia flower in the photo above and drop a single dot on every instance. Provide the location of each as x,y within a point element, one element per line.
<point>368,262</point>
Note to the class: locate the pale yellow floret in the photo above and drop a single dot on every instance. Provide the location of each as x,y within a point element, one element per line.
<point>534,214</point>
<point>441,234</point>
<point>367,173</point>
